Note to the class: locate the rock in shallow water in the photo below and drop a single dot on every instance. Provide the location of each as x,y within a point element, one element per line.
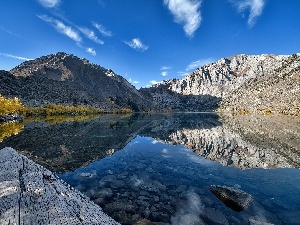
<point>31,194</point>
<point>234,198</point>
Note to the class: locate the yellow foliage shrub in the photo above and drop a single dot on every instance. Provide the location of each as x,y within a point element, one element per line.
<point>56,110</point>
<point>10,105</point>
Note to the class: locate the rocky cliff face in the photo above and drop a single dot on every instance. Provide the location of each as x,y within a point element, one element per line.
<point>62,74</point>
<point>228,81</point>
<point>277,91</point>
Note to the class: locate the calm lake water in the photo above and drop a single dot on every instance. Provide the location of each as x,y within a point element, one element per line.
<point>161,166</point>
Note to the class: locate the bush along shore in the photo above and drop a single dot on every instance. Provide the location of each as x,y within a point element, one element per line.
<point>13,110</point>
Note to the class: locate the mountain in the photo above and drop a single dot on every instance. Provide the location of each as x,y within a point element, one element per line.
<point>240,83</point>
<point>234,83</point>
<point>277,91</point>
<point>66,79</point>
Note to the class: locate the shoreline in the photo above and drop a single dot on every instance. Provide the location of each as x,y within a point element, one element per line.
<point>31,194</point>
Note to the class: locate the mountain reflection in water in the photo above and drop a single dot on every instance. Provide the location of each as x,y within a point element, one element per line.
<point>161,166</point>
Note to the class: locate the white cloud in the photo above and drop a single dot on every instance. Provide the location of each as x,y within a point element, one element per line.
<point>91,35</point>
<point>196,64</point>
<point>91,51</point>
<point>136,44</point>
<point>15,57</point>
<point>49,3</point>
<point>102,30</point>
<point>183,74</point>
<point>186,12</point>
<point>153,82</point>
<point>62,28</point>
<point>255,9</point>
<point>165,68</point>
<point>133,81</point>
<point>164,73</point>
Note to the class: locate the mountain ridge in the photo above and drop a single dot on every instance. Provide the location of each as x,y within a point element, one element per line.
<point>101,87</point>
<point>219,83</point>
<point>239,83</point>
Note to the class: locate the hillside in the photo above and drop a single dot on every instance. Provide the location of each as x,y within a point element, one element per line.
<point>278,91</point>
<point>233,83</point>
<point>66,79</point>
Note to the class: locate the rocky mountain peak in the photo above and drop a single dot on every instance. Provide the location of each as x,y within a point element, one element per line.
<point>60,66</point>
<point>211,83</point>
<point>106,87</point>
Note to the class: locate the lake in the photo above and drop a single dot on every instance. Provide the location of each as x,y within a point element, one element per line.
<point>161,166</point>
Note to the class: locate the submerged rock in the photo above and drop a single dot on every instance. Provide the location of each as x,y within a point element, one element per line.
<point>234,198</point>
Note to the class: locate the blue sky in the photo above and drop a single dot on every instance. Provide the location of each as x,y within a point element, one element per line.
<point>147,41</point>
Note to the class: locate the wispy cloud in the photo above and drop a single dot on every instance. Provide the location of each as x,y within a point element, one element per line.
<point>49,3</point>
<point>62,28</point>
<point>186,12</point>
<point>153,82</point>
<point>136,44</point>
<point>15,57</point>
<point>8,31</point>
<point>165,68</point>
<point>164,73</point>
<point>198,63</point>
<point>102,30</point>
<point>90,35</point>
<point>91,51</point>
<point>183,73</point>
<point>255,8</point>
<point>133,81</point>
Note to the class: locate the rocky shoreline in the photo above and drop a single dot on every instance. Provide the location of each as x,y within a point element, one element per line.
<point>31,194</point>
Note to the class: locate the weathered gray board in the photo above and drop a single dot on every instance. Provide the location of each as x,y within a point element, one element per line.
<point>31,194</point>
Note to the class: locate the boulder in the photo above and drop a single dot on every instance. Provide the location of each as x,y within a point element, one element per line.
<point>234,198</point>
<point>31,194</point>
